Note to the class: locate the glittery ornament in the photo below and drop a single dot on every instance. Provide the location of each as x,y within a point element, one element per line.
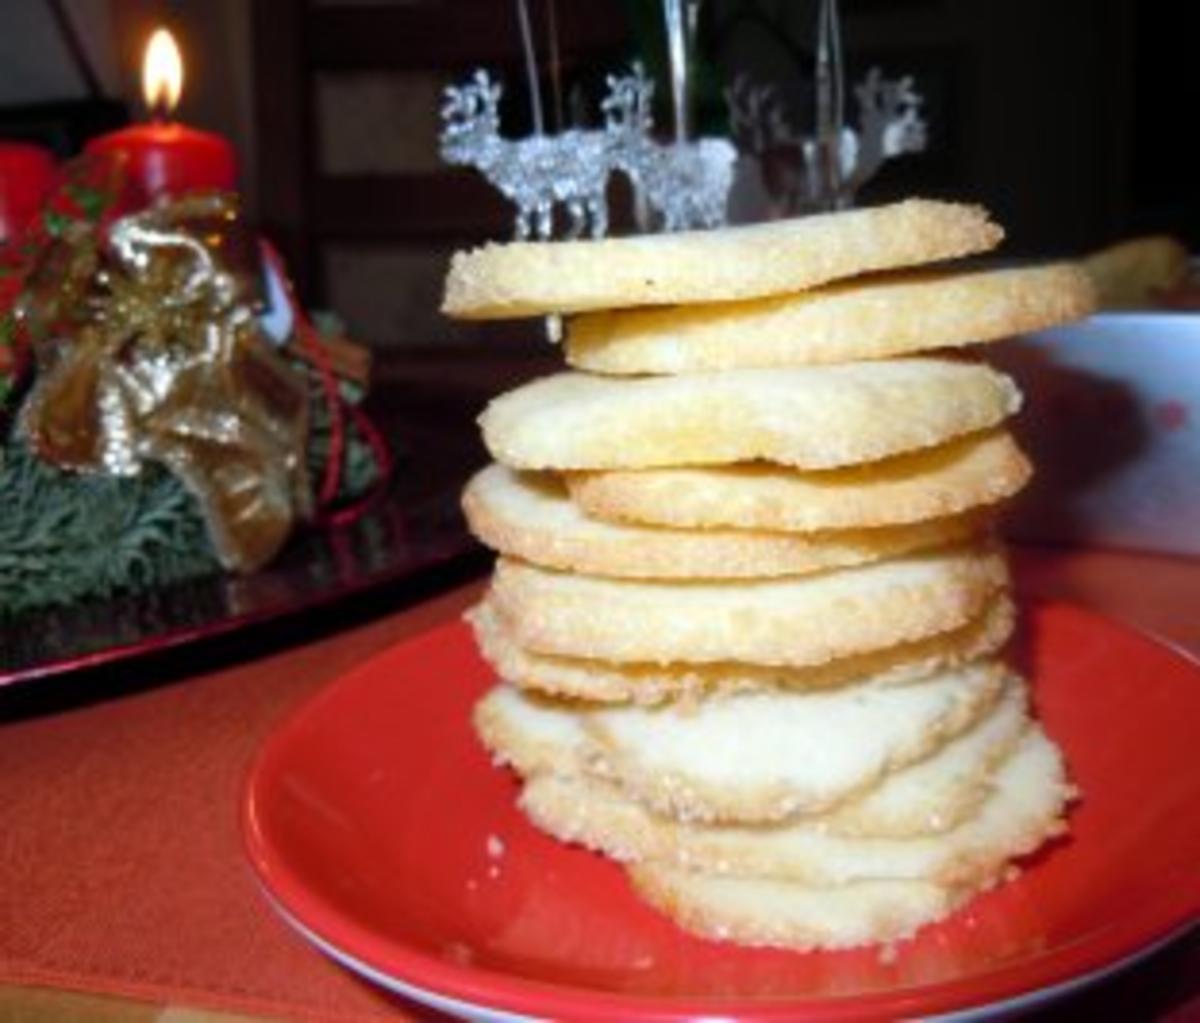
<point>148,349</point>
<point>685,183</point>
<point>539,173</point>
<point>680,184</point>
<point>794,172</point>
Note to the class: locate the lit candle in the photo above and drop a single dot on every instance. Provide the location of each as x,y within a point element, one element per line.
<point>166,157</point>
<point>26,175</point>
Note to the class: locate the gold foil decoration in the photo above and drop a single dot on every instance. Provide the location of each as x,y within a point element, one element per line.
<point>148,349</point>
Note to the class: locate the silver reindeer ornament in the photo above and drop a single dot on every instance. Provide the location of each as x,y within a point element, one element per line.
<point>889,125</point>
<point>681,184</point>
<point>538,173</point>
<point>685,184</point>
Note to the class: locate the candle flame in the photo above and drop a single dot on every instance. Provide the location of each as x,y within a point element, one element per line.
<point>162,73</point>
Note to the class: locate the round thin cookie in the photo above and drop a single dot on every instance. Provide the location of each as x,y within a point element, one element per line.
<point>864,319</point>
<point>532,734</point>
<point>529,516</point>
<point>532,278</point>
<point>814,417</point>
<point>940,792</point>
<point>759,757</point>
<point>795,621</point>
<point>1022,811</point>
<point>649,683</point>
<point>737,759</point>
<point>949,479</point>
<point>540,737</point>
<point>784,914</point>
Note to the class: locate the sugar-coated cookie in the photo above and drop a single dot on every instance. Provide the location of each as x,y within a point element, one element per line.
<point>795,621</point>
<point>544,737</point>
<point>873,318</point>
<point>742,758</point>
<point>970,472</point>
<point>814,417</point>
<point>1023,809</point>
<point>650,683</point>
<point>785,914</point>
<point>941,791</point>
<point>757,757</point>
<point>530,278</point>
<point>530,516</point>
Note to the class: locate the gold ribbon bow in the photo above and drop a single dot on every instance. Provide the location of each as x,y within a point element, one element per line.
<point>148,348</point>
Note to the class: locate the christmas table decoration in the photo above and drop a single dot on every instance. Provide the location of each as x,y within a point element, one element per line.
<point>26,173</point>
<point>168,410</point>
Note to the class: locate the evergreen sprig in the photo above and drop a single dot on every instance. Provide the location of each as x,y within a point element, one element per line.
<point>359,470</point>
<point>66,536</point>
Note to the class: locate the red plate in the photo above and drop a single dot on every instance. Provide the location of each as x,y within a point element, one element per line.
<point>380,829</point>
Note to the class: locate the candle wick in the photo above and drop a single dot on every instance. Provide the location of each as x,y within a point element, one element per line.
<point>159,106</point>
<point>159,109</point>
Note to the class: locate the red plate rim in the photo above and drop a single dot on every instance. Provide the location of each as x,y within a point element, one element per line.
<point>1170,914</point>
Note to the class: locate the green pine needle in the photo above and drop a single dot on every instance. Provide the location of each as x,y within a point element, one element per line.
<point>69,536</point>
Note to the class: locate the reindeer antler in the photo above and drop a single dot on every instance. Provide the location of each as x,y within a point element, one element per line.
<point>489,92</point>
<point>890,123</point>
<point>627,105</point>
<point>756,116</point>
<point>454,101</point>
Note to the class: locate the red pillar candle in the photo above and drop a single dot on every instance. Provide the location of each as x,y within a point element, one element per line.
<point>26,176</point>
<point>165,157</point>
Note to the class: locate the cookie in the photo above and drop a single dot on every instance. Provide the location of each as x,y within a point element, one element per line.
<point>532,734</point>
<point>529,516</point>
<point>1137,272</point>
<point>796,621</point>
<point>941,791</point>
<point>784,914</point>
<point>951,478</point>
<point>757,757</point>
<point>878,317</point>
<point>541,737</point>
<point>754,757</point>
<point>1022,811</point>
<point>532,278</point>
<point>650,683</point>
<point>814,417</point>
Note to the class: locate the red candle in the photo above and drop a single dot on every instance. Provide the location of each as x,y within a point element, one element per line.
<point>26,175</point>
<point>169,158</point>
<point>165,157</point>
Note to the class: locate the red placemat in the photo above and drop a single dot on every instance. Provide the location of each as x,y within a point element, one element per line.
<point>120,854</point>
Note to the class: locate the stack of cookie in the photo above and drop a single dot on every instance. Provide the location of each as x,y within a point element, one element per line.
<point>748,609</point>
